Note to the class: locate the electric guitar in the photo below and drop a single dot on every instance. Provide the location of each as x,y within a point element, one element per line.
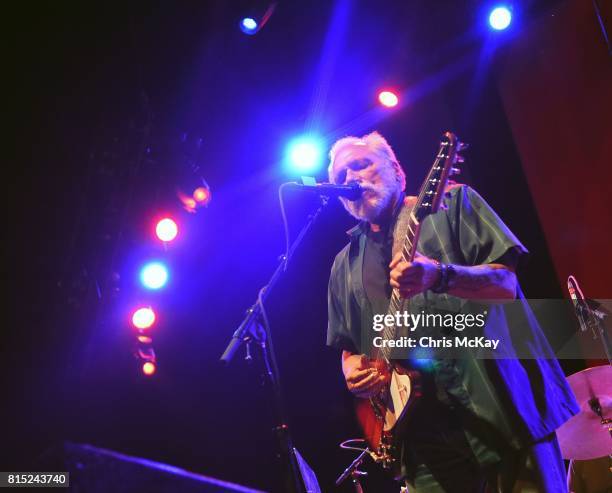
<point>384,418</point>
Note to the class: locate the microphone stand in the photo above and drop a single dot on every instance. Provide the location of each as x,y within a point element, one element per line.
<point>354,473</point>
<point>597,325</point>
<point>251,329</point>
<point>589,316</point>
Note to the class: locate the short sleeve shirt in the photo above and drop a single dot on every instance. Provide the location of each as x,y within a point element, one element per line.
<point>465,232</point>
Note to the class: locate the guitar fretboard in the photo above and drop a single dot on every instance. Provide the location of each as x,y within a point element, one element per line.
<point>426,203</point>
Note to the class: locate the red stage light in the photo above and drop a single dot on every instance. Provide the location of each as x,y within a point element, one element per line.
<point>201,194</point>
<point>149,368</point>
<point>189,204</point>
<point>198,197</point>
<point>388,99</point>
<point>143,318</point>
<point>166,229</point>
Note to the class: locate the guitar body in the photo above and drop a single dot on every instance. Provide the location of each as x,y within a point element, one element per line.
<point>384,418</point>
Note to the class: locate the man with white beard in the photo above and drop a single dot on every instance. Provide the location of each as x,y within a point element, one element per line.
<point>473,428</point>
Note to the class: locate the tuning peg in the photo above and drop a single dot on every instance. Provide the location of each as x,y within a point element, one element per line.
<point>462,146</point>
<point>455,171</point>
<point>459,158</point>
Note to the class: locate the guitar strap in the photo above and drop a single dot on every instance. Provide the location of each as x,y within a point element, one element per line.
<point>401,225</point>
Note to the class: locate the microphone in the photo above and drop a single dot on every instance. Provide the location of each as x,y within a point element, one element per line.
<point>583,312</point>
<point>351,192</point>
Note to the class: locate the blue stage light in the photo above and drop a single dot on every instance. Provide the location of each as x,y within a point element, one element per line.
<point>154,275</point>
<point>248,25</point>
<point>422,363</point>
<point>500,18</point>
<point>304,155</point>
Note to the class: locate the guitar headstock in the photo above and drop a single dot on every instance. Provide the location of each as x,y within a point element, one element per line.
<point>445,165</point>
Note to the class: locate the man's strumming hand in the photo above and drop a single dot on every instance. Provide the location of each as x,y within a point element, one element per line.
<point>362,379</point>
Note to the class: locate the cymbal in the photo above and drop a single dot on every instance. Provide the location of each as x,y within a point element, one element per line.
<point>584,436</point>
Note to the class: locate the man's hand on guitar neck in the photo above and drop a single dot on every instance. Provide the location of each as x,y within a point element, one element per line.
<point>362,379</point>
<point>411,278</point>
<point>495,281</point>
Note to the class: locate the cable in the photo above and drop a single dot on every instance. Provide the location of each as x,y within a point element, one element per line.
<point>268,344</point>
<point>344,445</point>
<point>285,222</point>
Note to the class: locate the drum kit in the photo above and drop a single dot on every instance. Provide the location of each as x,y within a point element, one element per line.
<point>586,439</point>
<point>588,435</point>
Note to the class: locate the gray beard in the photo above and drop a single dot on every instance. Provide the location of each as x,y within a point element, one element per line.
<point>370,209</point>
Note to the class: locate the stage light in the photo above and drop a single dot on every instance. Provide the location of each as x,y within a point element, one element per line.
<point>422,363</point>
<point>252,25</point>
<point>189,203</point>
<point>248,25</point>
<point>500,18</point>
<point>201,195</point>
<point>149,368</point>
<point>304,155</point>
<point>166,229</point>
<point>154,275</point>
<point>143,318</point>
<point>194,193</point>
<point>388,99</point>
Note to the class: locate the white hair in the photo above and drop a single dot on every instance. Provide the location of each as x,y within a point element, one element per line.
<point>375,143</point>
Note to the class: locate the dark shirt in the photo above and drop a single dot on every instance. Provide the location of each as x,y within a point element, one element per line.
<point>376,260</point>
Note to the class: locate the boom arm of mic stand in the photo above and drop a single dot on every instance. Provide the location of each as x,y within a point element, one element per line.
<point>242,332</point>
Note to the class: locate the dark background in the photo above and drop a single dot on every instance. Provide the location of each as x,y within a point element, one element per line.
<point>110,108</point>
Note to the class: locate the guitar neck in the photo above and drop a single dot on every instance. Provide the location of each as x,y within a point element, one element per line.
<point>428,202</point>
<point>424,202</point>
<point>396,304</point>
